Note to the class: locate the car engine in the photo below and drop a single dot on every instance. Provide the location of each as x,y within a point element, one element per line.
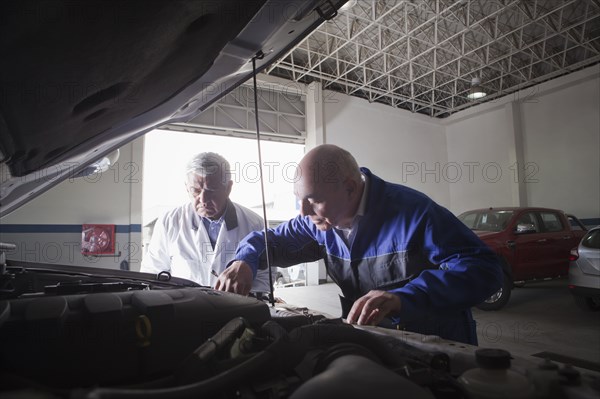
<point>70,333</point>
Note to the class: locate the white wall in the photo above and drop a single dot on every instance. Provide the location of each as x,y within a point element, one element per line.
<point>478,148</point>
<point>557,124</point>
<point>538,147</point>
<point>394,144</point>
<point>54,218</point>
<point>562,138</point>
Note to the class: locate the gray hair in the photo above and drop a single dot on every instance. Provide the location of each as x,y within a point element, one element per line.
<point>208,164</point>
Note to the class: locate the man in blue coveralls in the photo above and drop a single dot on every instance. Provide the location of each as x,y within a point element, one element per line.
<point>397,255</point>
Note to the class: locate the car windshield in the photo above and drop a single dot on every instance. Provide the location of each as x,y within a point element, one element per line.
<point>486,220</point>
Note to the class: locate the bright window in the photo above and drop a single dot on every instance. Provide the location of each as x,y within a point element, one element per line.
<point>166,154</point>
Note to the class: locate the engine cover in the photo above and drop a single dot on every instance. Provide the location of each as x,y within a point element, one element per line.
<point>112,338</point>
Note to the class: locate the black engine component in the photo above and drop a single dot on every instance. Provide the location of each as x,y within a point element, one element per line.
<point>144,338</point>
<point>357,377</point>
<point>113,338</point>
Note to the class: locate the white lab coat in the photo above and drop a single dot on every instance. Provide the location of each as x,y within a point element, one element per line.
<point>180,245</point>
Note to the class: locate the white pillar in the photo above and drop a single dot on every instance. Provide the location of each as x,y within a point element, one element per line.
<point>515,153</point>
<point>315,126</point>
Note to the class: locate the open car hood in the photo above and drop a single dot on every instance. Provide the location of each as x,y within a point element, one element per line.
<point>78,80</point>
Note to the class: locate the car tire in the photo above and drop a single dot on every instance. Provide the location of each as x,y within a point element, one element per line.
<point>587,303</point>
<point>500,298</point>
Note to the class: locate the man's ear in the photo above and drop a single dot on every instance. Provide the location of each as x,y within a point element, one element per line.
<point>350,186</point>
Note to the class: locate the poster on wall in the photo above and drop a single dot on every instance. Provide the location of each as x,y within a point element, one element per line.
<point>98,239</point>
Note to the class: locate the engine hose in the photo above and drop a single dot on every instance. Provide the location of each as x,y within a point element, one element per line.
<point>339,350</point>
<point>356,377</point>
<point>258,364</point>
<point>222,339</point>
<point>291,322</point>
<point>274,330</point>
<point>261,364</point>
<point>390,350</point>
<point>326,335</point>
<point>194,367</point>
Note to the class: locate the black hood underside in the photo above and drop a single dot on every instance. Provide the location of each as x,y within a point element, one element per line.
<point>79,79</point>
<point>74,69</point>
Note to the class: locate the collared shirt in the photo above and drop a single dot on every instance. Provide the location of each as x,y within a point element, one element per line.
<point>349,233</point>
<point>181,246</point>
<point>213,227</point>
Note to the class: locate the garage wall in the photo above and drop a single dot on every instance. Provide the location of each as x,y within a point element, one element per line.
<point>562,137</point>
<point>537,147</point>
<point>48,229</point>
<point>396,145</point>
<point>480,160</point>
<point>545,140</point>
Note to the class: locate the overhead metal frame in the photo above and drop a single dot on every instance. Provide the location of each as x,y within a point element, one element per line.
<point>281,116</point>
<point>422,55</point>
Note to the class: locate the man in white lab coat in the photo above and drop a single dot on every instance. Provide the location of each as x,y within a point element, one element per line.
<point>197,240</point>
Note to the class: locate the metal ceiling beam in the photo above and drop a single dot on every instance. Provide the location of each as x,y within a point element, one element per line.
<point>525,47</point>
<point>464,56</point>
<point>422,55</point>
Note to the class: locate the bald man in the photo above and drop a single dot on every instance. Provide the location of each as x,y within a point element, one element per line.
<point>397,255</point>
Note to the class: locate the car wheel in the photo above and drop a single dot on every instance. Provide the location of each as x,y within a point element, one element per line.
<point>500,298</point>
<point>588,303</point>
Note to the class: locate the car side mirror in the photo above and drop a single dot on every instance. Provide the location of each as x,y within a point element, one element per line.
<point>524,228</point>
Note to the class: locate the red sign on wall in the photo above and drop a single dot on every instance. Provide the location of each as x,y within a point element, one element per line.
<point>98,239</point>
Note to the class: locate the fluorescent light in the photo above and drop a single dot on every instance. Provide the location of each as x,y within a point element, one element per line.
<point>476,91</point>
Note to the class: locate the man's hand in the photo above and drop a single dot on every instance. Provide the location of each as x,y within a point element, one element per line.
<point>373,307</point>
<point>236,278</point>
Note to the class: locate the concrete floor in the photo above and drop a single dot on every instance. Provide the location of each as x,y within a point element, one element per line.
<point>540,319</point>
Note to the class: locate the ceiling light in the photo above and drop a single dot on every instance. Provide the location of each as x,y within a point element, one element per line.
<point>348,5</point>
<point>476,90</point>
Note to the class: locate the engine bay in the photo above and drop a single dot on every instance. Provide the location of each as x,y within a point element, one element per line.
<point>105,334</point>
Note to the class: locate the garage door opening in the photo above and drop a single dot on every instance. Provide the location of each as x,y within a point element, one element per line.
<point>167,152</point>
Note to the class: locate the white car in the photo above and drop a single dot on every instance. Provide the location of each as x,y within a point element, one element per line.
<point>584,271</point>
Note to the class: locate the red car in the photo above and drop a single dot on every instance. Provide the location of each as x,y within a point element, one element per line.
<point>534,243</point>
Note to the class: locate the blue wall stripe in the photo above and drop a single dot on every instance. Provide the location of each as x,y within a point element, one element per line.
<point>61,228</point>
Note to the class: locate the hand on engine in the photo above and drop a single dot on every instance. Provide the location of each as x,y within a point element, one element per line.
<point>236,278</point>
<point>373,307</point>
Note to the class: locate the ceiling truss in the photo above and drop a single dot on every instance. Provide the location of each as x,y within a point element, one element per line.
<point>422,55</point>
